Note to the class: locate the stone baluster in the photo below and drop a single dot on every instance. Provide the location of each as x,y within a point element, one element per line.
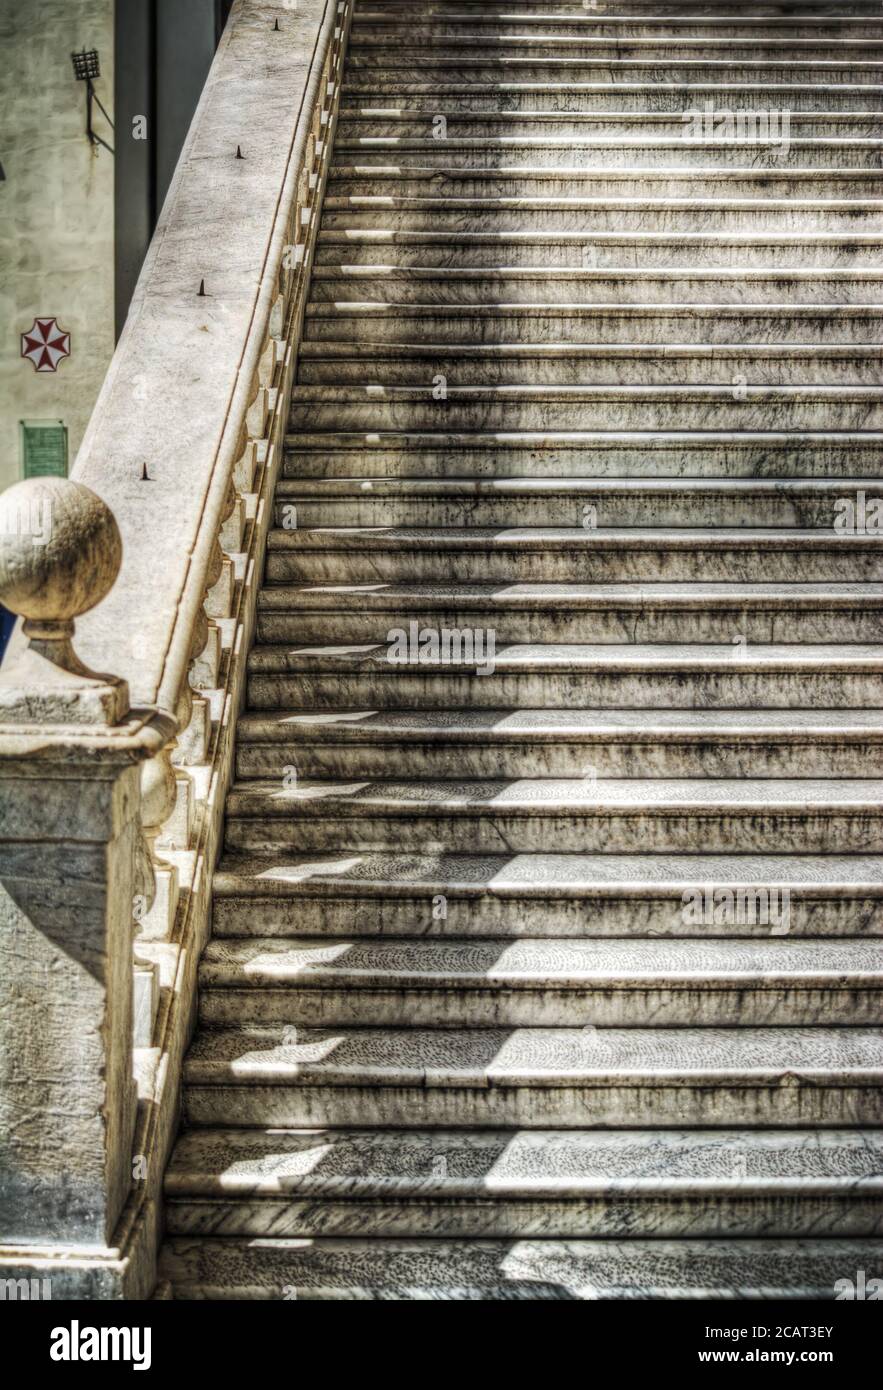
<point>72,862</point>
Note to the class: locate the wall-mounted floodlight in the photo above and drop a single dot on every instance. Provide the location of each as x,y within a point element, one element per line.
<point>87,67</point>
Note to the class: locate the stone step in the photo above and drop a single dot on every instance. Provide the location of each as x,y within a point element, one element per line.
<point>666,612</point>
<point>670,10</point>
<point>439,404</point>
<point>490,555</point>
<point>535,1078</point>
<point>706,181</point>
<point>400,1183</point>
<point>357,121</point>
<point>544,983</point>
<point>486,1270</point>
<point>509,211</point>
<point>356,246</point>
<point>539,25</point>
<point>569,502</point>
<point>406,75</point>
<point>602,676</point>
<point>542,815</point>
<point>596,96</point>
<point>773,147</point>
<point>406,69</point>
<point>360,893</point>
<point>426,286</point>
<point>473,1184</point>
<point>674,322</point>
<point>552,364</point>
<point>583,454</point>
<point>555,743</point>
<point>820,53</point>
<point>480,1183</point>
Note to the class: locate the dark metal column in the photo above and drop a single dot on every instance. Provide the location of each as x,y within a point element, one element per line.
<point>135,187</point>
<point>163,52</point>
<point>185,46</point>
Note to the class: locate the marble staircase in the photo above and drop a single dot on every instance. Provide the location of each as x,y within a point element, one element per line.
<point>553,968</point>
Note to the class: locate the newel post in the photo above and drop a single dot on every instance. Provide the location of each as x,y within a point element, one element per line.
<point>70,856</point>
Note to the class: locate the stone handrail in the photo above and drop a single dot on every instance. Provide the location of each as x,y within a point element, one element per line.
<point>183,450</point>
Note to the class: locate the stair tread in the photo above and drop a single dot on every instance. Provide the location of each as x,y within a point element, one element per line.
<point>391,86</point>
<point>539,795</point>
<point>518,1269</point>
<point>381,237</point>
<point>328,347</point>
<point>763,43</point>
<point>486,963</point>
<point>491,597</point>
<point>363,112</point>
<point>761,391</point>
<point>510,1057</point>
<point>494,725</point>
<point>376,307</point>
<point>537,14</point>
<point>369,872</point>
<point>379,144</point>
<point>488,1163</point>
<point>584,657</point>
<point>430,21</point>
<point>712,172</point>
<point>772,487</point>
<point>403,59</point>
<point>409,439</point>
<point>550,538</point>
<point>648,203</point>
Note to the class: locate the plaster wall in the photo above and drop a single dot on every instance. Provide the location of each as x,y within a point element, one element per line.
<point>56,215</point>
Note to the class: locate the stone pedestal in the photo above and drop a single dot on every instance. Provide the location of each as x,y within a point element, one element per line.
<point>68,834</point>
<point>71,843</point>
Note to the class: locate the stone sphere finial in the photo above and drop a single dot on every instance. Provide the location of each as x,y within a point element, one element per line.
<point>60,554</point>
<point>60,549</point>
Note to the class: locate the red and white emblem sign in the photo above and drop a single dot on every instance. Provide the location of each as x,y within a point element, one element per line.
<point>45,345</point>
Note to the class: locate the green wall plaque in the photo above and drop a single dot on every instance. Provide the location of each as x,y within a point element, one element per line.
<point>43,449</point>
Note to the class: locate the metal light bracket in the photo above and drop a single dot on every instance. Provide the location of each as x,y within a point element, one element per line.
<point>86,68</point>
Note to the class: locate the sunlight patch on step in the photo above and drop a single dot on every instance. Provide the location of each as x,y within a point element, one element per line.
<point>364,649</point>
<point>272,1168</point>
<point>301,873</point>
<point>280,963</point>
<point>319,791</point>
<point>330,717</point>
<point>344,588</point>
<point>285,1055</point>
